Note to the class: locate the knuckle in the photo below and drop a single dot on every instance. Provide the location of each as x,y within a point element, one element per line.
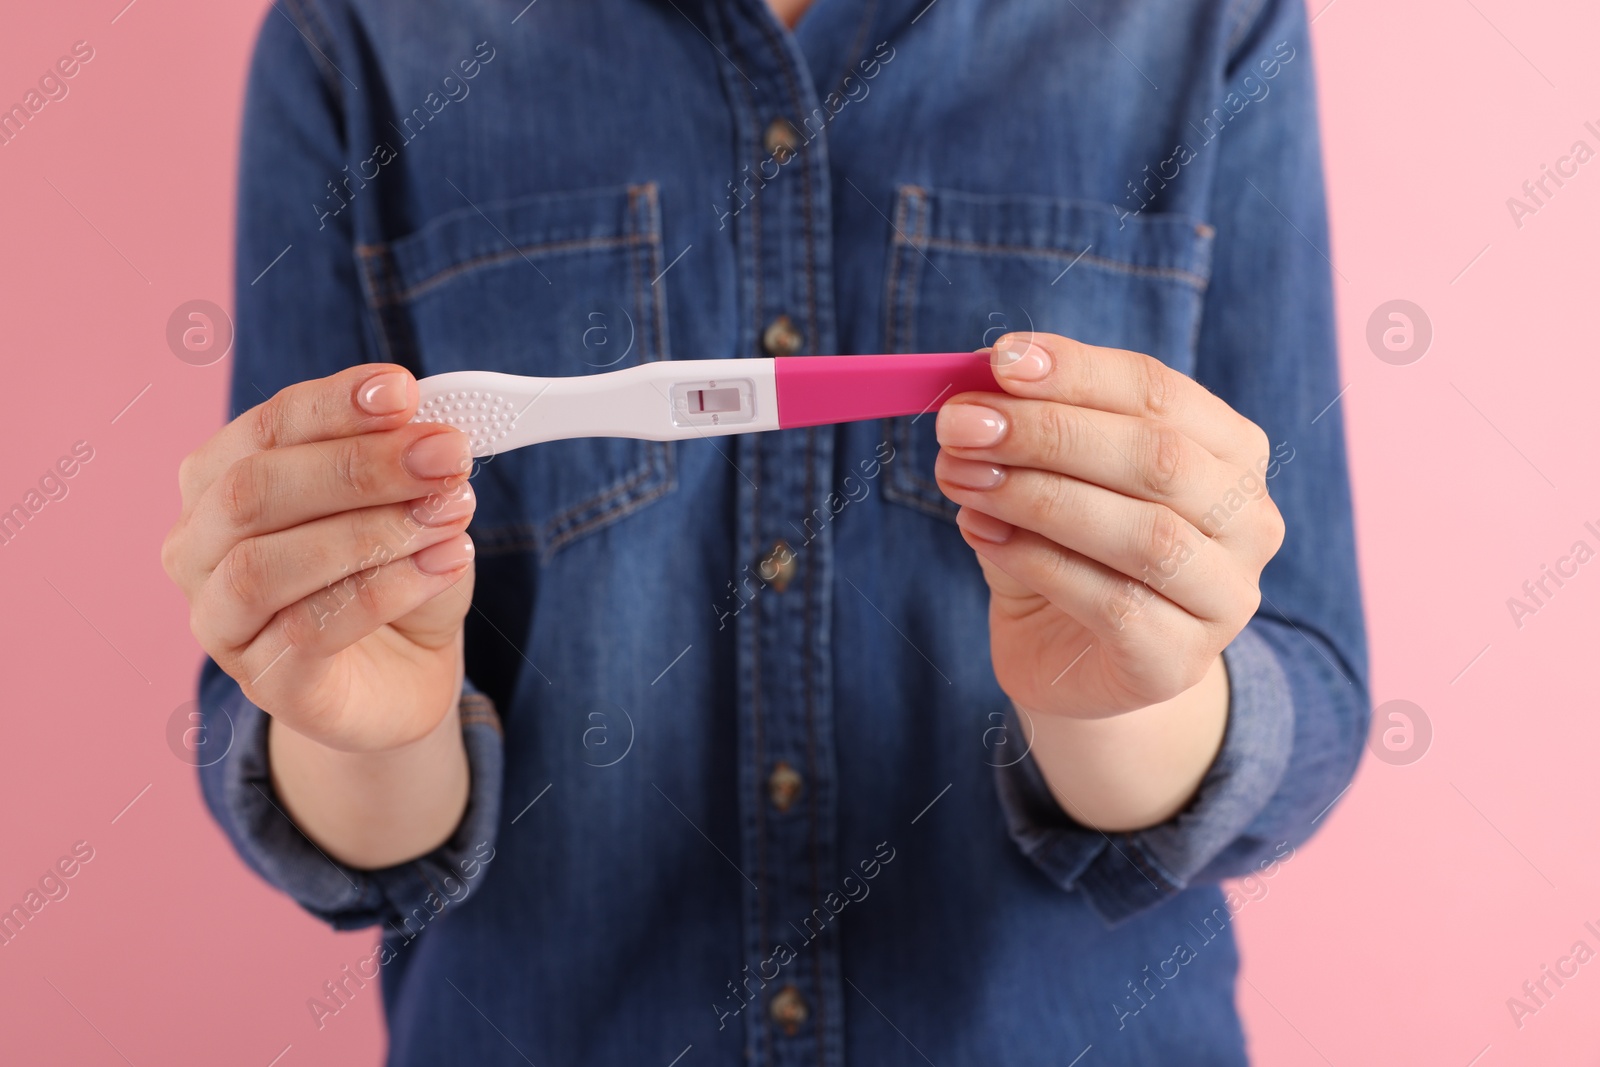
<point>1057,495</point>
<point>1161,449</point>
<point>1059,433</point>
<point>356,473</point>
<point>1118,603</point>
<point>1251,604</point>
<point>197,623</point>
<point>1277,529</point>
<point>1161,542</point>
<point>1158,387</point>
<point>240,494</point>
<point>360,531</point>
<point>264,423</point>
<point>244,572</point>
<point>1061,570</point>
<point>202,625</point>
<point>188,474</point>
<point>1259,443</point>
<point>372,595</point>
<point>302,626</point>
<point>1189,671</point>
<point>171,553</point>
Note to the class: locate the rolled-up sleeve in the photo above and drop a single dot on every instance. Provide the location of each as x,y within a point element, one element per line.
<point>300,314</point>
<point>1297,673</point>
<point>238,790</point>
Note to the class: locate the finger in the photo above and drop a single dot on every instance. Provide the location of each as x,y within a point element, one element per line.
<point>1045,366</point>
<point>373,396</point>
<point>1138,457</point>
<point>262,575</point>
<point>1133,623</point>
<point>1149,543</point>
<point>268,491</point>
<point>306,634</point>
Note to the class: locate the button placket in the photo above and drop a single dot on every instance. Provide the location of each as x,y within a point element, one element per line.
<point>787,793</point>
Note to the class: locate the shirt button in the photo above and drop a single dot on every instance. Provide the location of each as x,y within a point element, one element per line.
<point>781,141</point>
<point>788,1009</point>
<point>778,566</point>
<point>781,337</point>
<point>783,786</point>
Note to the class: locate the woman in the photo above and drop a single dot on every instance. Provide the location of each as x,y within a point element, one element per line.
<point>929,738</point>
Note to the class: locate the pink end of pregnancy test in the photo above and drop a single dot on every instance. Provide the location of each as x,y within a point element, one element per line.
<point>672,400</point>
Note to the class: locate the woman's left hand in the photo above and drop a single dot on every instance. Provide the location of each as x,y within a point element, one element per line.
<point>1121,516</point>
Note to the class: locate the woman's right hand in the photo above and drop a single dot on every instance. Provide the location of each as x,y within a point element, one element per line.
<point>323,551</point>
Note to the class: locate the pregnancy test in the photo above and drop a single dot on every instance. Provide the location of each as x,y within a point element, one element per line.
<point>675,400</point>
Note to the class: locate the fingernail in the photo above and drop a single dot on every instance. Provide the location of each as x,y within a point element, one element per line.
<point>967,473</point>
<point>1020,359</point>
<point>439,455</point>
<point>969,426</point>
<point>436,509</point>
<point>445,556</point>
<point>984,527</point>
<point>383,394</point>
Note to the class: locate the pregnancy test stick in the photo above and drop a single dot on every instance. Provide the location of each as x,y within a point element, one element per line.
<point>675,400</point>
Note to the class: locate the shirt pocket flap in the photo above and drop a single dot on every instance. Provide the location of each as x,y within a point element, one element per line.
<point>965,268</point>
<point>549,285</point>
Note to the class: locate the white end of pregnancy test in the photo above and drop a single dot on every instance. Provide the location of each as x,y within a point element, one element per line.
<point>660,401</point>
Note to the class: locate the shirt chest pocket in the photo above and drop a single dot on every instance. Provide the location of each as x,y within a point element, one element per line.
<point>550,285</point>
<point>965,268</point>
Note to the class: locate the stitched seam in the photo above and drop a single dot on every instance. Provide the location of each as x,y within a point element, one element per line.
<point>869,9</point>
<point>757,294</point>
<point>917,486</point>
<point>384,326</point>
<point>574,513</point>
<point>659,454</point>
<point>776,44</point>
<point>605,519</point>
<point>930,487</point>
<point>301,17</point>
<point>444,903</point>
<point>657,254</point>
<point>1246,21</point>
<point>757,737</point>
<point>323,38</point>
<point>598,510</point>
<point>891,296</point>
<point>811,742</point>
<point>490,259</point>
<point>977,248</point>
<point>512,538</point>
<point>564,537</point>
<point>561,530</point>
<point>476,709</point>
<point>899,316</point>
<point>921,503</point>
<point>1147,866</point>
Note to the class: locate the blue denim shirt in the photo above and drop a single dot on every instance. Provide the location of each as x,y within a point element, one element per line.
<point>745,789</point>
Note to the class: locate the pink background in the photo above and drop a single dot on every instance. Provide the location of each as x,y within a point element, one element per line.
<point>1436,889</point>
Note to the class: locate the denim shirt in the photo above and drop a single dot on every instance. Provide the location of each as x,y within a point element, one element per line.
<point>745,789</point>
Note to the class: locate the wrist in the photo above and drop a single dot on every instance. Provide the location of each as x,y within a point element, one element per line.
<point>1135,769</point>
<point>373,809</point>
